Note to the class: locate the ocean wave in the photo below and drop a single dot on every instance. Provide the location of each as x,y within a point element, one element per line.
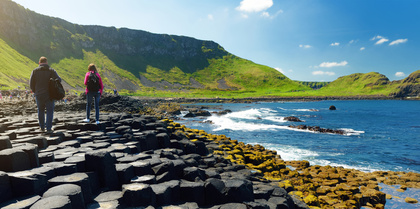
<point>351,132</point>
<point>304,110</point>
<point>291,153</point>
<point>299,110</point>
<point>252,113</point>
<point>226,123</point>
<point>239,124</point>
<point>275,119</point>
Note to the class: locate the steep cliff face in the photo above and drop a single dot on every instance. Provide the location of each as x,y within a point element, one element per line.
<point>410,86</point>
<point>33,34</point>
<point>134,50</point>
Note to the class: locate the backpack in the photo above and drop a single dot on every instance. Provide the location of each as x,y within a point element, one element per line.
<point>55,89</point>
<point>93,82</point>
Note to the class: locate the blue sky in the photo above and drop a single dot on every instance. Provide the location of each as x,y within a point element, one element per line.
<point>307,40</point>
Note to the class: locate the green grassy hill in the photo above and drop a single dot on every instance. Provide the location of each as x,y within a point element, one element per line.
<point>15,69</point>
<point>314,84</point>
<point>143,63</point>
<point>123,55</point>
<point>356,84</point>
<point>410,86</point>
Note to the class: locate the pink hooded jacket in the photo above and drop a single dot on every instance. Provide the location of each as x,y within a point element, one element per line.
<point>100,82</point>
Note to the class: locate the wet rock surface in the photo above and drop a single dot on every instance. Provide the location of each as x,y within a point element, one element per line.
<point>319,129</point>
<point>292,119</point>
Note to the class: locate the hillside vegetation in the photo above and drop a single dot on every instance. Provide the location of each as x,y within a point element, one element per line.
<point>371,83</point>
<point>314,84</point>
<point>141,63</point>
<point>15,69</point>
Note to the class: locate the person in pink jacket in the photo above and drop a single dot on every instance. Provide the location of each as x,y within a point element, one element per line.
<point>94,88</point>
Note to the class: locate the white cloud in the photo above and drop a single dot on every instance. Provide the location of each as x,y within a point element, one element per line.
<point>335,44</point>
<point>333,64</point>
<point>376,37</point>
<point>245,16</point>
<point>353,41</point>
<point>279,69</point>
<point>399,74</point>
<point>323,73</point>
<point>265,14</point>
<point>305,46</point>
<point>268,15</point>
<point>362,48</point>
<point>398,41</point>
<point>380,41</point>
<point>254,5</point>
<point>210,17</point>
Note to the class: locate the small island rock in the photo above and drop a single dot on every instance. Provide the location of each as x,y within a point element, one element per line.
<point>292,118</point>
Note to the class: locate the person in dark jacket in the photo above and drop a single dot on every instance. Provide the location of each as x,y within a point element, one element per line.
<point>39,85</point>
<point>93,94</point>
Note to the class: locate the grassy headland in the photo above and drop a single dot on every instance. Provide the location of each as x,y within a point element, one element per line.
<point>159,65</point>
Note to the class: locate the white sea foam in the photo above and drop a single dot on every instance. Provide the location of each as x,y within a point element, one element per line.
<point>276,119</point>
<point>290,153</point>
<point>303,110</point>
<point>253,120</point>
<point>351,132</point>
<point>226,123</point>
<point>248,114</point>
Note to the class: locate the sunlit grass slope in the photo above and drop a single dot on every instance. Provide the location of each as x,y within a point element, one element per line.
<point>73,70</point>
<point>244,78</point>
<point>246,75</point>
<point>15,69</point>
<point>356,84</point>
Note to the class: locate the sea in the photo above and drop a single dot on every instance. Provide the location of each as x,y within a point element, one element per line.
<point>380,135</point>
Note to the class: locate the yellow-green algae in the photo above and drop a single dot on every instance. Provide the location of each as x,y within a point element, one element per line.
<point>318,186</point>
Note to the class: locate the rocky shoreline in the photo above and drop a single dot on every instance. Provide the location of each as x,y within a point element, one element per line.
<point>133,159</point>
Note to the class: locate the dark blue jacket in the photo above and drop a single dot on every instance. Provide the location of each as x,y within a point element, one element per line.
<point>40,77</point>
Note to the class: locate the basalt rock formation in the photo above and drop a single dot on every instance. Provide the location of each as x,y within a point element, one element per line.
<point>134,160</point>
<point>318,129</point>
<point>292,119</point>
<point>128,160</point>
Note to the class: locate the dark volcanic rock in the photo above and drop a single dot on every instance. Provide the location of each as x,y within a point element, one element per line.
<point>215,191</point>
<point>192,192</point>
<point>239,190</point>
<point>53,202</point>
<point>102,163</point>
<point>14,159</point>
<point>74,192</point>
<point>21,203</point>
<point>292,118</point>
<point>5,187</point>
<point>131,160</point>
<point>318,129</point>
<point>80,179</point>
<point>137,194</point>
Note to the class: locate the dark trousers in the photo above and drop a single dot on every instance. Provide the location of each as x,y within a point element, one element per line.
<point>95,96</point>
<point>43,102</point>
